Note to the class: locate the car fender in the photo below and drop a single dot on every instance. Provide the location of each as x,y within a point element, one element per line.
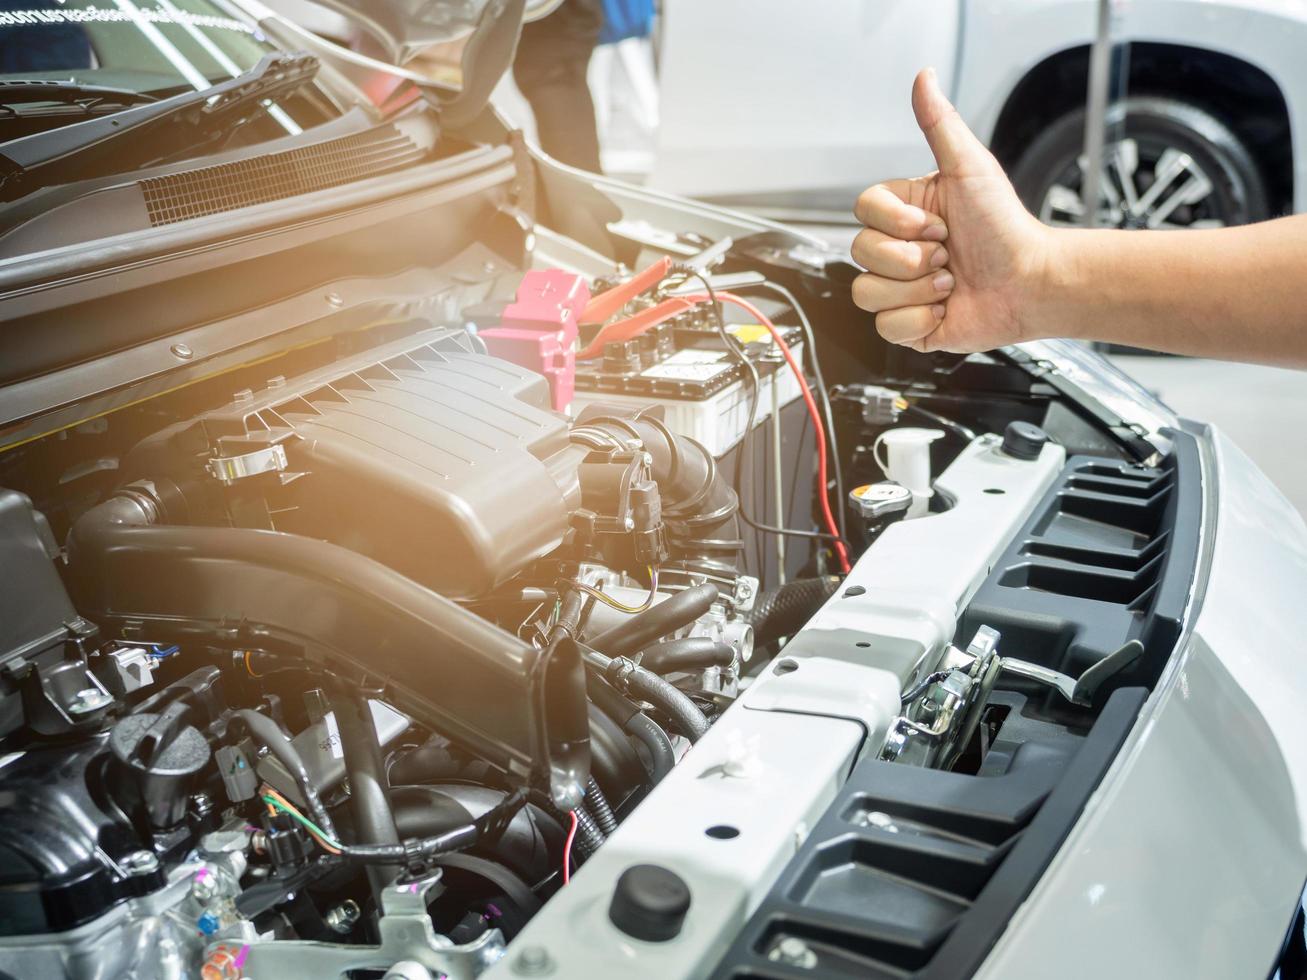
<point>1003,42</point>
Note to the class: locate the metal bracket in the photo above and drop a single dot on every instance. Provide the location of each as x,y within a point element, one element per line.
<point>405,932</point>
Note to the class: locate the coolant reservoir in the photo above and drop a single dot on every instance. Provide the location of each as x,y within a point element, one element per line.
<point>906,460</point>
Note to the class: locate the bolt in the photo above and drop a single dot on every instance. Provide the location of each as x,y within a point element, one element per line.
<point>140,863</point>
<point>793,951</point>
<point>335,300</point>
<point>201,804</point>
<point>87,700</point>
<point>205,885</point>
<point>533,961</point>
<point>182,351</point>
<point>342,918</point>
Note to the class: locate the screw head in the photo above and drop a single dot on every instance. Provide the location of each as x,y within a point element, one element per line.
<point>140,863</point>
<point>182,351</point>
<point>335,300</point>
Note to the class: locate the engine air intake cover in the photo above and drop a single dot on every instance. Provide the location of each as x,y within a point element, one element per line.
<point>444,464</point>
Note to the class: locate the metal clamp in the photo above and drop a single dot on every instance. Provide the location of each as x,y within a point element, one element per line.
<point>229,469</point>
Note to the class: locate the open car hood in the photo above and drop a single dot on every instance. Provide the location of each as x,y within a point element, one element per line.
<point>406,27</point>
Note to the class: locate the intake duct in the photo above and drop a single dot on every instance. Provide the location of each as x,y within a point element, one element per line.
<point>241,588</point>
<point>699,507</point>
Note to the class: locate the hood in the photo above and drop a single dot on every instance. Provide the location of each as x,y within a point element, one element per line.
<point>406,27</point>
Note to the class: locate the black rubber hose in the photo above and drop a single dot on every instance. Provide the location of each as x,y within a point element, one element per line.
<point>656,622</point>
<point>597,804</point>
<point>647,731</point>
<point>369,795</point>
<point>374,820</point>
<point>266,732</point>
<point>672,701</point>
<point>689,653</point>
<point>633,679</point>
<point>635,723</point>
<point>782,611</point>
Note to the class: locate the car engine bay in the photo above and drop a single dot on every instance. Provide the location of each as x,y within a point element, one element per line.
<point>344,662</point>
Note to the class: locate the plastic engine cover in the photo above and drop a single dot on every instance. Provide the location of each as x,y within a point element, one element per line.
<point>445,464</point>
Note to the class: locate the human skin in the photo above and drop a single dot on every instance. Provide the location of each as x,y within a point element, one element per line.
<point>956,263</point>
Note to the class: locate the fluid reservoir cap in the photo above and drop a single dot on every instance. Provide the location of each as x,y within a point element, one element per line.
<point>875,501</point>
<point>1023,440</point>
<point>159,758</point>
<point>650,903</point>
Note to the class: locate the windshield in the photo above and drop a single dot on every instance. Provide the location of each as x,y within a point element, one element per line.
<point>159,48</point>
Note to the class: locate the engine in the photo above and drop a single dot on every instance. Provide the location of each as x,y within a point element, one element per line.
<point>372,645</point>
<point>346,670</point>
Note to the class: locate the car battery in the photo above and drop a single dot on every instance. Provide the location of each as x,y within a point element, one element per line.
<point>683,366</point>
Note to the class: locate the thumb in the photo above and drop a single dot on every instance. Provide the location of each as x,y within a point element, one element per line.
<point>953,144</point>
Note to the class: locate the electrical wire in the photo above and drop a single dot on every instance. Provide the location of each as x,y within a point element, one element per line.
<point>567,848</point>
<point>755,385</point>
<point>957,428</point>
<point>823,395</point>
<point>841,550</point>
<point>620,606</point>
<point>278,802</point>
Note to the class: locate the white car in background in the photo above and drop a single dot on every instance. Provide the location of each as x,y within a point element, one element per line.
<point>798,114</point>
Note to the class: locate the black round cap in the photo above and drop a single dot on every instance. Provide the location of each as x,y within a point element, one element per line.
<point>650,903</point>
<point>1023,440</point>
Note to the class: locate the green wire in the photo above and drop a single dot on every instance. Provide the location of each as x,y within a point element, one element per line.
<point>301,818</point>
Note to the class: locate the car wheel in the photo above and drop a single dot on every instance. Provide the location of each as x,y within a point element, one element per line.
<point>1171,165</point>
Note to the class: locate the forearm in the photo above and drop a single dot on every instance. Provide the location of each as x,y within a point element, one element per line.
<point>1232,293</point>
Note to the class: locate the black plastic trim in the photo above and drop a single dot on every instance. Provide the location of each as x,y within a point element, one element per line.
<point>967,850</point>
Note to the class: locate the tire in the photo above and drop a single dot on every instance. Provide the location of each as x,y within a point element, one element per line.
<point>1210,170</point>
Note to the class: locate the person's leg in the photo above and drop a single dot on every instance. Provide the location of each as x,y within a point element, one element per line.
<point>550,69</point>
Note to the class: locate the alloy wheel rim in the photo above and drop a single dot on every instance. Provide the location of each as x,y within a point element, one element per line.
<point>1167,189</point>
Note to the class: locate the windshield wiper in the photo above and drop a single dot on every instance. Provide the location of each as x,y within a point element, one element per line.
<point>25,91</point>
<point>145,134</point>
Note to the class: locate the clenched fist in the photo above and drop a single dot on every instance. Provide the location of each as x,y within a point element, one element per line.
<point>953,259</point>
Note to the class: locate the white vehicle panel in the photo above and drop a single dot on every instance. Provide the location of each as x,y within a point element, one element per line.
<point>774,760</point>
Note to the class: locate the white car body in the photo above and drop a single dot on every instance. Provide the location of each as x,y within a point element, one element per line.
<point>806,110</point>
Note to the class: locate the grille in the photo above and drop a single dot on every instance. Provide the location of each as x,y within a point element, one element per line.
<point>228,186</point>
